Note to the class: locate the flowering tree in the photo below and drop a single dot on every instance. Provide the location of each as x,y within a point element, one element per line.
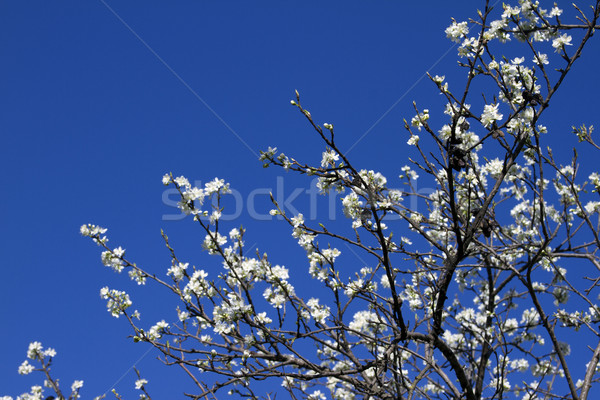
<point>481,306</point>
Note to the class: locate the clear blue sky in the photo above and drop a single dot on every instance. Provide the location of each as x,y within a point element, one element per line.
<point>92,117</point>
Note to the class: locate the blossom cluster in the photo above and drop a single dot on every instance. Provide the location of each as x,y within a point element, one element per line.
<point>42,359</point>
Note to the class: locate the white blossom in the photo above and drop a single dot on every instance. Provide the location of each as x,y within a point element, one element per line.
<point>117,301</point>
<point>490,114</point>
<point>419,119</point>
<point>25,368</point>
<point>457,31</point>
<point>139,384</point>
<point>413,140</point>
<point>560,42</point>
<point>177,270</point>
<point>329,158</point>
<point>76,385</point>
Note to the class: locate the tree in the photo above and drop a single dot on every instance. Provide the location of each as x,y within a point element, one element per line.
<point>481,306</point>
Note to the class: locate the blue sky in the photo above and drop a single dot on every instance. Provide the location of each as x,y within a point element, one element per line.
<point>100,99</point>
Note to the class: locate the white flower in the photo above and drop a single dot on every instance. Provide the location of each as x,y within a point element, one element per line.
<point>364,320</point>
<point>541,59</point>
<point>182,315</point>
<point>497,31</point>
<point>418,120</point>
<point>317,311</point>
<point>297,220</point>
<point>456,31</point>
<point>213,241</point>
<point>25,368</point>
<point>36,392</point>
<point>182,181</point>
<point>331,254</point>
<point>138,276</point>
<point>215,216</point>
<point>490,114</point>
<point>375,179</point>
<point>414,139</point>
<point>76,385</point>
<point>275,297</point>
<point>157,330</point>
<point>500,383</point>
<point>166,179</point>
<point>94,231</point>
<point>215,186</point>
<point>510,325</point>
<point>117,301</point>
<point>555,12</point>
<point>140,383</point>
<point>592,207</point>
<point>454,340</point>
<point>119,252</point>
<point>262,318</point>
<point>494,167</point>
<point>271,151</point>
<point>530,316</point>
<point>178,270</point>
<point>114,259</point>
<point>316,395</point>
<point>560,42</point>
<point>521,365</point>
<point>49,352</point>
<point>408,172</point>
<point>279,273</point>
<point>510,11</point>
<point>329,158</point>
<point>544,367</point>
<point>194,193</point>
<point>197,286</point>
<point>34,351</point>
